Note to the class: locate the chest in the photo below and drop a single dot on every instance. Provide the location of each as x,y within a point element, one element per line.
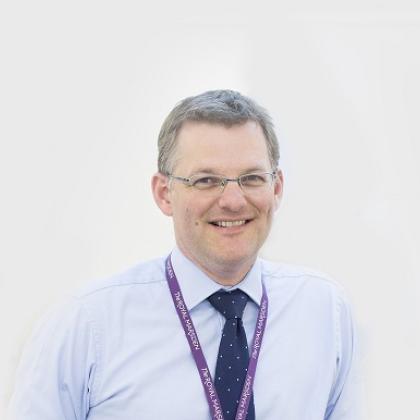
<point>147,371</point>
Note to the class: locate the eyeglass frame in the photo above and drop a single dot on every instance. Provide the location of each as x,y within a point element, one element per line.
<point>224,180</point>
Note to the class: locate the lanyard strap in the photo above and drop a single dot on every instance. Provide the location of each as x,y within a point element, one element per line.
<point>200,360</point>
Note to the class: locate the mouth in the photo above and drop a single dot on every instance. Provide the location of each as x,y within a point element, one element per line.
<point>230,223</point>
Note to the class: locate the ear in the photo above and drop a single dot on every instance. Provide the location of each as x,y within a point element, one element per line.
<point>161,193</point>
<point>278,188</point>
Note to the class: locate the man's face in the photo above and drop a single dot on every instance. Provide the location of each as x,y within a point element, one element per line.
<point>215,149</point>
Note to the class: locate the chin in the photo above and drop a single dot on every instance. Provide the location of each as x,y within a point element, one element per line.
<point>232,256</point>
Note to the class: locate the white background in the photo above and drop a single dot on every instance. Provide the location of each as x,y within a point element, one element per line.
<point>85,87</point>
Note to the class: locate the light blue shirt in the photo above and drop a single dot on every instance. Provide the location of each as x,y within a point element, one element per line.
<point>118,351</point>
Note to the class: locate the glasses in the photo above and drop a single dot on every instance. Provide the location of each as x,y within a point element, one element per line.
<point>208,182</point>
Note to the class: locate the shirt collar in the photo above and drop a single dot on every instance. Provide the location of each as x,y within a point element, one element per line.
<point>196,286</point>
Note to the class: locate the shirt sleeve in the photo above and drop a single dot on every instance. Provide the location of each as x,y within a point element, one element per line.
<point>55,377</point>
<point>345,402</point>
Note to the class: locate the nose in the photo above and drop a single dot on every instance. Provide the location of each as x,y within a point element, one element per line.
<point>232,197</point>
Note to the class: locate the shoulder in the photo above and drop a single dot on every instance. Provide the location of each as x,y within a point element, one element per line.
<point>282,272</point>
<point>143,274</point>
<point>299,280</point>
<point>105,297</point>
<point>74,307</point>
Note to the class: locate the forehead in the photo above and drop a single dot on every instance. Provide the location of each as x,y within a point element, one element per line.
<point>203,146</point>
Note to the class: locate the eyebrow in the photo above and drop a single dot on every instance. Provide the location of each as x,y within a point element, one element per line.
<point>256,169</point>
<point>250,170</point>
<point>204,171</point>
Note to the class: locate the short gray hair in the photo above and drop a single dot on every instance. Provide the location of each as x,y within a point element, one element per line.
<point>225,107</point>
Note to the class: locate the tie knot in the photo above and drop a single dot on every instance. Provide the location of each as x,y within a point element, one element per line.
<point>229,304</point>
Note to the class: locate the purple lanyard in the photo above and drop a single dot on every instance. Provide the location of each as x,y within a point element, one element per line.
<point>200,360</point>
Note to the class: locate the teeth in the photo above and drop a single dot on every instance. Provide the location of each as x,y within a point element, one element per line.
<point>229,224</point>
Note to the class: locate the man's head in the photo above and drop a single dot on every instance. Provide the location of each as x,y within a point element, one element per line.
<point>222,226</point>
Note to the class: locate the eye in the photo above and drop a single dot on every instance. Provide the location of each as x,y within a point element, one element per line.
<point>205,181</point>
<point>254,180</point>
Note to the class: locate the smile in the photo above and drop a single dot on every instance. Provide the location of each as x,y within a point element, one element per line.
<point>229,223</point>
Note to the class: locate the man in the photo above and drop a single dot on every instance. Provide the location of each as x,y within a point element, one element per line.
<point>211,330</point>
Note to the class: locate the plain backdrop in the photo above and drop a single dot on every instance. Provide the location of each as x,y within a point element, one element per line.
<point>84,87</point>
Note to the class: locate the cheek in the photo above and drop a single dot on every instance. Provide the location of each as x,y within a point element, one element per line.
<point>189,217</point>
<point>265,205</point>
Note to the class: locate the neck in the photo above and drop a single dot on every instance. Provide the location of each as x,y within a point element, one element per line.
<point>223,273</point>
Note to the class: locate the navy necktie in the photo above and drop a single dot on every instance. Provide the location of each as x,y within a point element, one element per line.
<point>233,357</point>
